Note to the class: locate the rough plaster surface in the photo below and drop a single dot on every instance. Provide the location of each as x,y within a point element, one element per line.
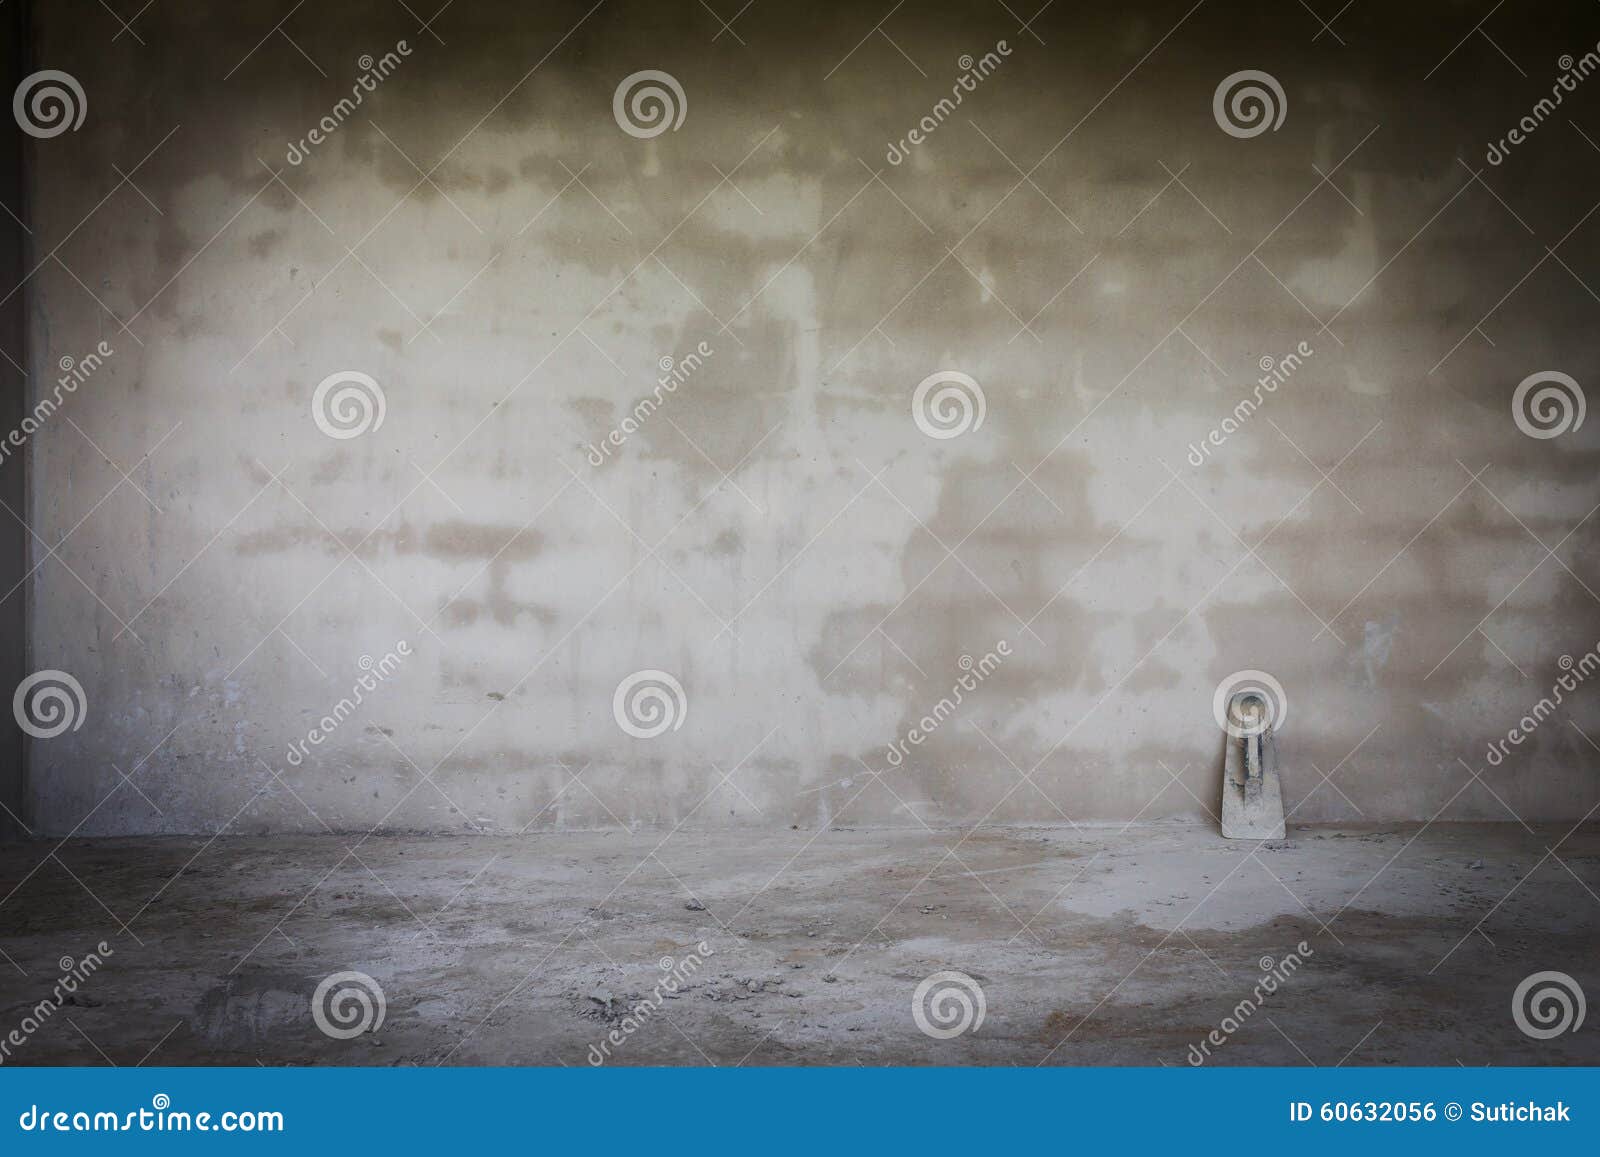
<point>1079,236</point>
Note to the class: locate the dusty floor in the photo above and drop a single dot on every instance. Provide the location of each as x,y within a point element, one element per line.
<point>1091,946</point>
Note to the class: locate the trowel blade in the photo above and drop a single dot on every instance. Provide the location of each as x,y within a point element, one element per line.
<point>1252,814</point>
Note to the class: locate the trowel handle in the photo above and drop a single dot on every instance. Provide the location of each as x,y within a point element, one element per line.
<point>1252,710</point>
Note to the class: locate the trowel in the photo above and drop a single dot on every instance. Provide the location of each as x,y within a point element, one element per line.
<point>1252,798</point>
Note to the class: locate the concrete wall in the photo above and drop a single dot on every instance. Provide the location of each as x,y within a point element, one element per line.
<point>510,267</point>
<point>13,398</point>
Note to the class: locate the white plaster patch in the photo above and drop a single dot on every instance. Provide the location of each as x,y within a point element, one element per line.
<point>1377,640</point>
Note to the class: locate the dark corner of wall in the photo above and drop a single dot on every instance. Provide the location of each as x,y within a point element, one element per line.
<point>14,55</point>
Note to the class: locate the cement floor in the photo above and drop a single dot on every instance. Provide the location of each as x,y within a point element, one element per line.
<point>1090,946</point>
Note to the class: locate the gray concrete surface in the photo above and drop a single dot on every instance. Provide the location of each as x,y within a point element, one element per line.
<point>1094,946</point>
<point>482,238</point>
<point>14,394</point>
